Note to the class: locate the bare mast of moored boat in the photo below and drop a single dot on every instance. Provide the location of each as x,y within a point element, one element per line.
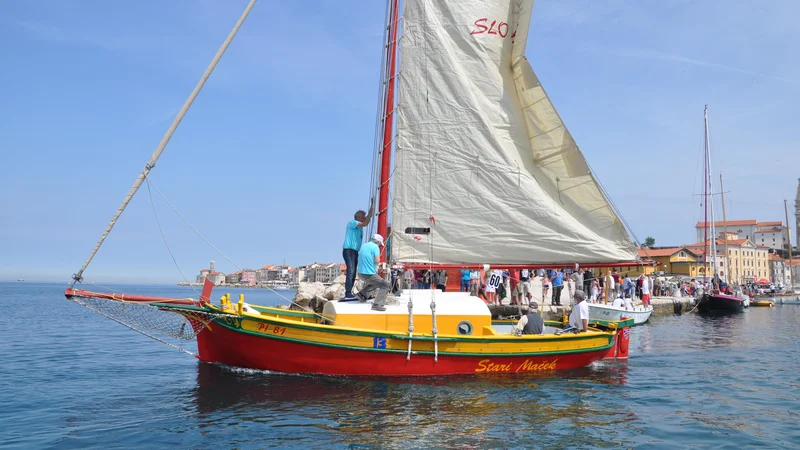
<point>711,241</point>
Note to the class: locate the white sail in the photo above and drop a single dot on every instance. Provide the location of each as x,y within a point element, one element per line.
<point>481,148</point>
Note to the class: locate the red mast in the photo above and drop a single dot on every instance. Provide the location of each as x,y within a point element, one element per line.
<point>386,151</point>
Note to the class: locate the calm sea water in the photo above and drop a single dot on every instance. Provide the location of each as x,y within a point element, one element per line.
<point>70,378</point>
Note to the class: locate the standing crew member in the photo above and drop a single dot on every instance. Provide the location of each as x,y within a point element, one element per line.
<point>353,238</point>
<point>369,258</point>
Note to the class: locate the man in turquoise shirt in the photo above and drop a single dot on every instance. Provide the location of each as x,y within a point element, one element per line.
<point>353,238</point>
<point>369,258</point>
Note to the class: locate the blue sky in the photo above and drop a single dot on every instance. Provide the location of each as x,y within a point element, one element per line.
<point>275,154</point>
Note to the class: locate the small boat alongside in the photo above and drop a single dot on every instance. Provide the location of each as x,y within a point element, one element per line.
<point>639,314</point>
<point>762,303</point>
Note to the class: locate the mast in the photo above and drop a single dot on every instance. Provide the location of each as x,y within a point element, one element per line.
<point>789,238</point>
<point>705,191</point>
<point>164,140</point>
<point>725,222</point>
<point>710,201</point>
<point>386,151</point>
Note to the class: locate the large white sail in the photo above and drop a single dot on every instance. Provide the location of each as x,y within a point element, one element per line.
<point>481,148</point>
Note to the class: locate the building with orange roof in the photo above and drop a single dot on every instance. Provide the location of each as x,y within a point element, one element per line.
<point>217,278</point>
<point>744,262</point>
<point>774,235</point>
<point>671,260</point>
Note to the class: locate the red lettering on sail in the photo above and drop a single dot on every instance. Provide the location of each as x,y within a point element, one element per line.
<point>481,25</point>
<point>500,30</point>
<point>496,28</point>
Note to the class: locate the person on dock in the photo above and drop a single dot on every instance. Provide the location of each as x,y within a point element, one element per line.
<point>627,286</point>
<point>617,284</point>
<point>474,281</point>
<point>369,259</point>
<point>524,286</point>
<point>558,285</point>
<point>588,276</point>
<point>408,279</point>
<point>545,285</point>
<point>646,283</point>
<point>353,238</point>
<point>531,323</point>
<point>465,278</point>
<point>609,288</point>
<point>426,279</point>
<point>579,317</point>
<point>595,291</point>
<point>493,282</point>
<point>440,279</point>
<point>578,278</point>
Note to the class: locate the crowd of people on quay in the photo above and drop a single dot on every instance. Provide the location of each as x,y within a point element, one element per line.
<point>493,285</point>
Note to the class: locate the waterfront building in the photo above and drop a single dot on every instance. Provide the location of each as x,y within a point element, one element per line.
<point>772,235</point>
<point>248,277</point>
<point>263,274</point>
<point>748,261</point>
<point>324,273</point>
<point>202,277</point>
<point>233,278</point>
<point>703,267</point>
<point>670,260</point>
<point>778,270</point>
<point>300,274</point>
<point>218,278</point>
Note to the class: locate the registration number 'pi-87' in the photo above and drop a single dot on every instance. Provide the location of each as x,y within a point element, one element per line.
<point>266,328</point>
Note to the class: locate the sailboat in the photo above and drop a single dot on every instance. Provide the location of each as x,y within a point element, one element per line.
<point>481,172</point>
<point>712,300</point>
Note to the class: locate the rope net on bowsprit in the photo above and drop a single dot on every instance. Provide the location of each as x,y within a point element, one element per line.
<point>179,324</point>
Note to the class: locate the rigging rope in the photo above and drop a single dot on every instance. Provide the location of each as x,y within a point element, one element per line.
<point>164,237</point>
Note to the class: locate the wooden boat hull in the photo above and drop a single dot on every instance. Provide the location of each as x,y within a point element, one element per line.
<point>720,303</point>
<point>294,350</point>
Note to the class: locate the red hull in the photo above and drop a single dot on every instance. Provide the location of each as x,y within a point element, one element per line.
<point>222,345</point>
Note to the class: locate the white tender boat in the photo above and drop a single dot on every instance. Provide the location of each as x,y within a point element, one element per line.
<point>639,314</point>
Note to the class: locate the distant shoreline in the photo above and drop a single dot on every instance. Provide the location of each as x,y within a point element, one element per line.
<point>236,286</point>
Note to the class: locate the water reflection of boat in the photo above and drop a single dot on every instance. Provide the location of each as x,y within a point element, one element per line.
<point>359,407</point>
